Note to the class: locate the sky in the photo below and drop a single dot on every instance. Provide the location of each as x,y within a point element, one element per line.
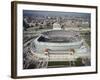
<point>53,13</point>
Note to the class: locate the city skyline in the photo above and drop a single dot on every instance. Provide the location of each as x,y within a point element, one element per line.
<point>54,13</point>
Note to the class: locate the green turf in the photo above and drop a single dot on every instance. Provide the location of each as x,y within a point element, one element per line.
<point>57,63</point>
<point>78,62</point>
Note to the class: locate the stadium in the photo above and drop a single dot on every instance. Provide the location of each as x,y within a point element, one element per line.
<point>58,40</point>
<point>60,46</point>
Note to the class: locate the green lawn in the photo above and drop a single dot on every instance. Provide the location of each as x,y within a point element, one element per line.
<point>78,62</point>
